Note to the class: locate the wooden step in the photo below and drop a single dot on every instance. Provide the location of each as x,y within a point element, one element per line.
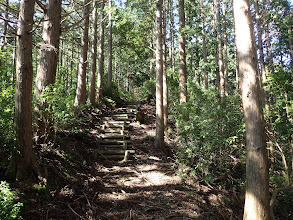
<point>115,152</point>
<point>117,136</point>
<point>113,142</point>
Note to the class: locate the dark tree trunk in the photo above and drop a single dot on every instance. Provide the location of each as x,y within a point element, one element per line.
<point>80,97</point>
<point>23,161</point>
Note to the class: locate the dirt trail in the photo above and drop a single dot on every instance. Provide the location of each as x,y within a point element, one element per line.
<point>144,187</point>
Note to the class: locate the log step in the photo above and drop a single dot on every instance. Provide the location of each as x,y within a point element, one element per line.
<point>118,136</point>
<point>114,152</point>
<point>112,142</point>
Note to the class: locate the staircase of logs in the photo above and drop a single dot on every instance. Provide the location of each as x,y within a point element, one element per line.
<point>114,143</point>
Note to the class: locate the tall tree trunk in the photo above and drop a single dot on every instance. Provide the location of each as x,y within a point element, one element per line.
<point>182,55</point>
<point>257,177</point>
<point>23,161</point>
<point>92,88</point>
<point>226,85</point>
<point>236,60</point>
<point>165,85</point>
<point>216,49</point>
<point>46,73</point>
<point>261,54</point>
<point>4,37</point>
<point>220,50</point>
<point>159,141</point>
<point>172,41</point>
<point>101,54</point>
<point>109,84</point>
<point>152,68</point>
<point>80,97</point>
<point>206,85</point>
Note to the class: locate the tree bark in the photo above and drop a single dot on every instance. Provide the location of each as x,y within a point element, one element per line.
<point>23,161</point>
<point>206,85</point>
<point>46,73</point>
<point>109,84</point>
<point>171,27</point>
<point>80,97</point>
<point>220,51</point>
<point>92,88</point>
<point>4,37</point>
<point>257,177</point>
<point>159,141</point>
<point>165,85</point>
<point>182,55</point>
<point>216,49</point>
<point>47,67</point>
<point>101,54</point>
<point>226,85</point>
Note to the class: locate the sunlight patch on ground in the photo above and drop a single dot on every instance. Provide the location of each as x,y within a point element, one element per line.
<point>153,178</point>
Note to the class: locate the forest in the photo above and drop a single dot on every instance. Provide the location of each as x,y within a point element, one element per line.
<point>146,109</point>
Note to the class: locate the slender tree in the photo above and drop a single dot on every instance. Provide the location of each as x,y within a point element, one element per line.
<point>182,55</point>
<point>101,53</point>
<point>257,178</point>
<point>46,73</point>
<point>225,49</point>
<point>92,88</point>
<point>220,50</point>
<point>165,85</point>
<point>23,161</point>
<point>171,29</point>
<point>206,86</point>
<point>80,97</point>
<point>159,141</point>
<point>109,84</point>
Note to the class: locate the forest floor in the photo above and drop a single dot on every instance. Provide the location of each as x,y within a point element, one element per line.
<point>148,186</point>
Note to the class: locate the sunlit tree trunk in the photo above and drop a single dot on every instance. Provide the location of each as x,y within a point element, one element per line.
<point>152,68</point>
<point>110,73</point>
<point>47,68</point>
<point>216,52</point>
<point>159,141</point>
<point>257,178</point>
<point>92,88</point>
<point>261,54</point>
<point>182,55</point>
<point>165,85</point>
<point>172,42</point>
<point>23,161</point>
<point>226,85</point>
<point>220,50</point>
<point>80,97</point>
<point>206,86</point>
<point>4,37</point>
<point>101,54</point>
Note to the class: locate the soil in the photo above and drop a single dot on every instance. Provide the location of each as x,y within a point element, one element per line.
<point>76,185</point>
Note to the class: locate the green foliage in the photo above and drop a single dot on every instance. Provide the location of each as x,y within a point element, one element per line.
<point>116,93</point>
<point>148,88</point>
<point>7,136</point>
<point>281,122</point>
<point>211,133</point>
<point>9,208</point>
<point>60,106</point>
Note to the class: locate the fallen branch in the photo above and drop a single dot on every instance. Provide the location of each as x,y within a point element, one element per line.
<point>75,212</point>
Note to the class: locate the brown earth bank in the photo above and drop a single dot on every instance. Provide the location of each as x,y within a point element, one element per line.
<point>77,185</point>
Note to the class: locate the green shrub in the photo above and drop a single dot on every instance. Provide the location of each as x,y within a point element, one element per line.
<point>211,132</point>
<point>9,209</point>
